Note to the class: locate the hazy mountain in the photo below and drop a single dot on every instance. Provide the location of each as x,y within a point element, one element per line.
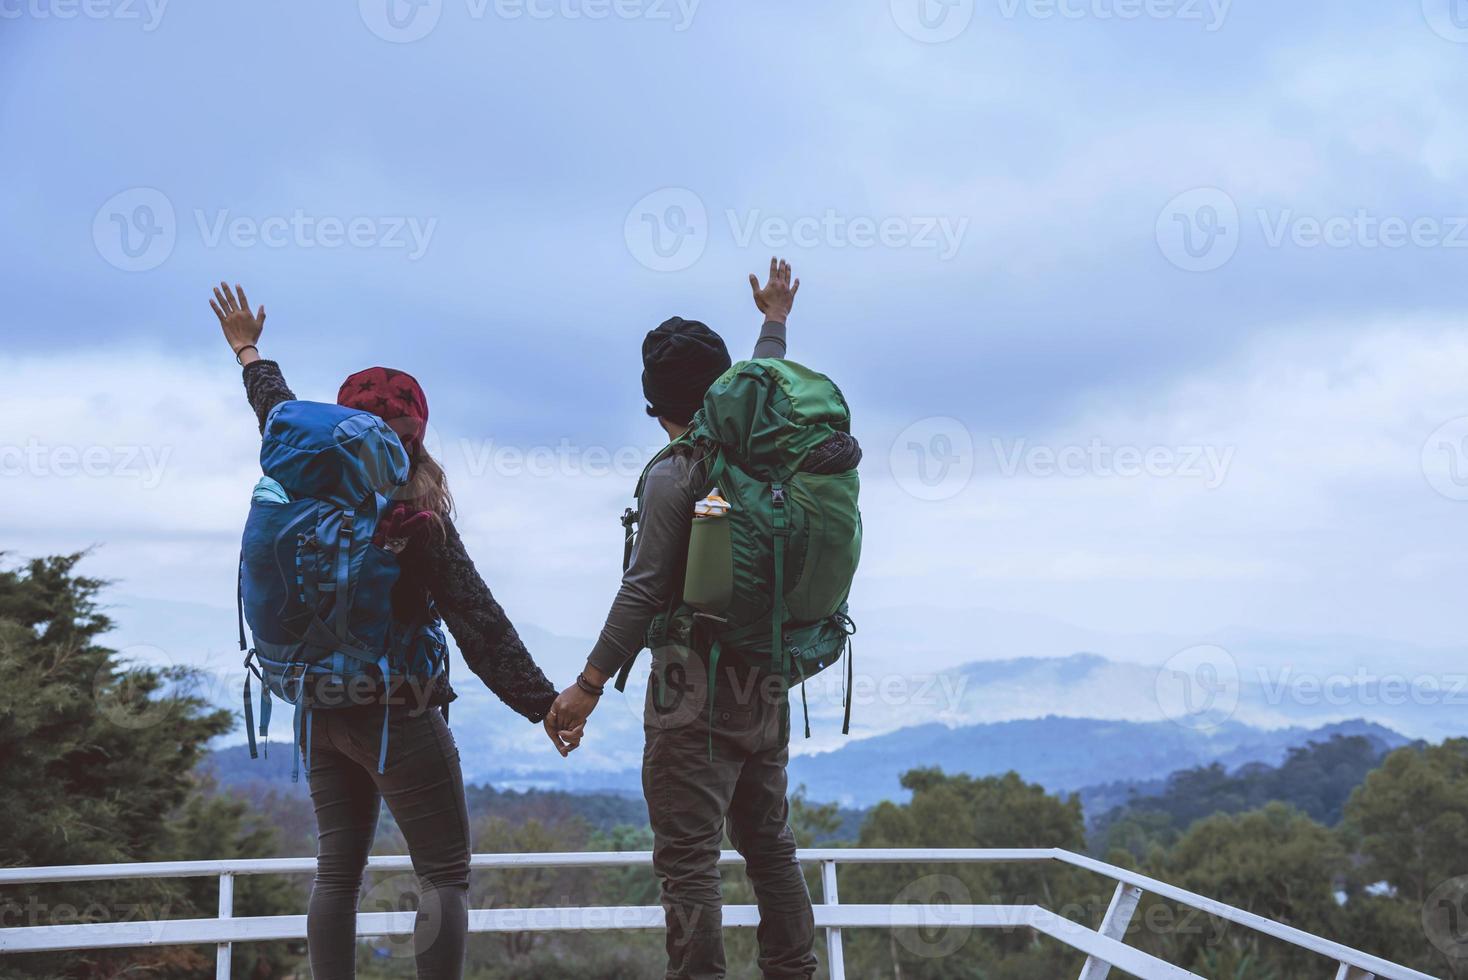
<point>1062,754</point>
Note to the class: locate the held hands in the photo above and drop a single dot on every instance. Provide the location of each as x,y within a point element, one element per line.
<point>241,327</point>
<point>777,296</point>
<point>566,721</point>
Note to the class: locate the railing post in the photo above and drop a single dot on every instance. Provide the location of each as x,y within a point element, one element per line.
<point>1349,972</point>
<point>226,911</point>
<point>1113,926</point>
<point>835,954</point>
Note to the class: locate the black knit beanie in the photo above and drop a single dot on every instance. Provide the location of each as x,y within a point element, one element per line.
<point>680,360</point>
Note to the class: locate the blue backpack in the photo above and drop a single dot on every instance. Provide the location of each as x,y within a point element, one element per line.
<point>314,589</point>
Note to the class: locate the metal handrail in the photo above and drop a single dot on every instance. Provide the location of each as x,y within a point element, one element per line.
<point>1104,947</point>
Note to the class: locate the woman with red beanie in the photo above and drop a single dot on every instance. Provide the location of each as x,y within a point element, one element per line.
<point>421,781</point>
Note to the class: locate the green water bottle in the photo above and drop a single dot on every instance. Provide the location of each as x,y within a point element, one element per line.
<point>708,584</point>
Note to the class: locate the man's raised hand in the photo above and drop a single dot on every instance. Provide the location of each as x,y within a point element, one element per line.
<point>776,298</point>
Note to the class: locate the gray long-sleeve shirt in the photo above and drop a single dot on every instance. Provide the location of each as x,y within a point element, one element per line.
<point>668,499</point>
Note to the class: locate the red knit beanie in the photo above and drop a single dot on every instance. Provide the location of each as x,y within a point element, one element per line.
<point>395,397</point>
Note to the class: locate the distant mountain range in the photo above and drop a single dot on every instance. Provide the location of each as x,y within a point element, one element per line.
<point>933,687</point>
<point>1061,754</point>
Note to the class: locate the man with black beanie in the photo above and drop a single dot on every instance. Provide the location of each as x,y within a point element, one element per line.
<point>705,766</point>
<point>680,359</point>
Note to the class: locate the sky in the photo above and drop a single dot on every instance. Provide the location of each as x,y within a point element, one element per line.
<point>1153,315</point>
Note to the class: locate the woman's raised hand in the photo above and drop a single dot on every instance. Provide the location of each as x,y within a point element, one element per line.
<point>241,327</point>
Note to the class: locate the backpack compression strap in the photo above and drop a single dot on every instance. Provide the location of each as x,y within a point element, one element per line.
<point>343,607</point>
<point>629,539</point>
<point>779,656</point>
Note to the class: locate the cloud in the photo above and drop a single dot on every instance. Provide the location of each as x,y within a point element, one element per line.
<point>1282,489</point>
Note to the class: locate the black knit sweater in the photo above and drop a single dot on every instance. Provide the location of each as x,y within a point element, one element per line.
<point>437,567</point>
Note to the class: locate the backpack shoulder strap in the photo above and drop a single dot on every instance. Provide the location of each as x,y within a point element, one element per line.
<point>630,519</point>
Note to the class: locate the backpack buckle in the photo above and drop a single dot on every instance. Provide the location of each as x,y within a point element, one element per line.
<point>285,681</point>
<point>777,494</point>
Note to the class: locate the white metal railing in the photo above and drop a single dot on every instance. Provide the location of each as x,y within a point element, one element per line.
<point>1104,947</point>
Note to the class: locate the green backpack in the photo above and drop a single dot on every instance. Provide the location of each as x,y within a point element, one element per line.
<point>793,537</point>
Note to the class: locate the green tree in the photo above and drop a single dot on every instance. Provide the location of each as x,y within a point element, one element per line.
<point>97,764</point>
<point>1408,822</point>
<point>1409,819</point>
<point>1275,862</point>
<point>961,811</point>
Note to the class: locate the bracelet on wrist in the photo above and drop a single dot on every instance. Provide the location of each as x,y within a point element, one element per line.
<point>588,687</point>
<point>239,352</point>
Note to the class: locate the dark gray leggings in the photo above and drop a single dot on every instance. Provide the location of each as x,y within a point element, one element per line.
<point>424,789</point>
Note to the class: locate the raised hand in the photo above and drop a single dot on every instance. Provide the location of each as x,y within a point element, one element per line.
<point>776,298</point>
<point>241,327</point>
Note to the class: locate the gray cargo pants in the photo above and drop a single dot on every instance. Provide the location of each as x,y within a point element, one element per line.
<point>697,779</point>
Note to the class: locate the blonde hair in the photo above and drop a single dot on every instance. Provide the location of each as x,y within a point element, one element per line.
<point>427,488</point>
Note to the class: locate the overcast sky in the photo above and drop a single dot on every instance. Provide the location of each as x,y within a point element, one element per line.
<point>1152,315</point>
